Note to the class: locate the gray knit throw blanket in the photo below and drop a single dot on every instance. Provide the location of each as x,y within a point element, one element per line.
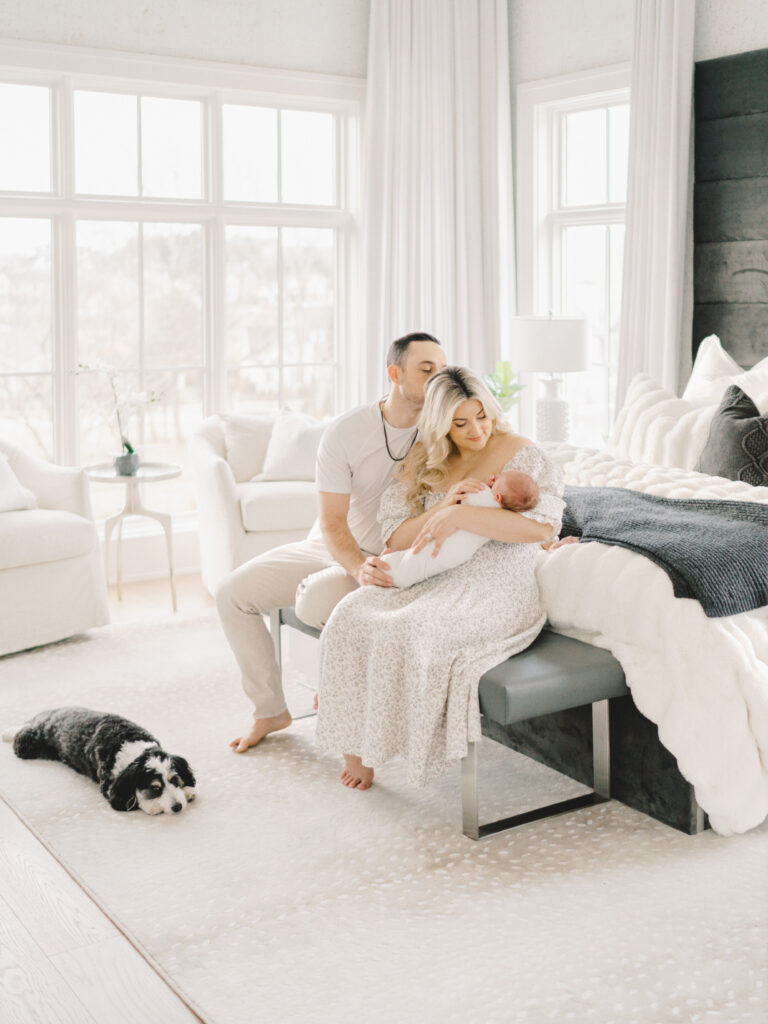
<point>713,551</point>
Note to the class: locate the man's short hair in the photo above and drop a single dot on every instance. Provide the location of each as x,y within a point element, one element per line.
<point>398,350</point>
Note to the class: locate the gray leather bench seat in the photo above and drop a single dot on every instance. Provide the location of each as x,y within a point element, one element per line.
<point>553,674</point>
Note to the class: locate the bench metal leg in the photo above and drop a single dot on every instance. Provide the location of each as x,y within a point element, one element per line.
<point>274,629</point>
<point>601,759</point>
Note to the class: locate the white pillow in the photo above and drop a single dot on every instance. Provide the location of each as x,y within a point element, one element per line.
<point>714,371</point>
<point>13,497</point>
<point>245,439</point>
<point>657,428</point>
<point>292,448</point>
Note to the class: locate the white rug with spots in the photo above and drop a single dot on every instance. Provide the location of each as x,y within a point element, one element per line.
<point>281,896</point>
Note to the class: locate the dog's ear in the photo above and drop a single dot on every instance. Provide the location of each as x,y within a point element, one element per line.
<point>122,792</point>
<point>184,771</point>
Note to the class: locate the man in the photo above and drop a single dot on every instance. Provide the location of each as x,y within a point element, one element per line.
<point>354,464</point>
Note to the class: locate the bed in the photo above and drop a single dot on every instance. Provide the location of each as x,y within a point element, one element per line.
<point>694,733</point>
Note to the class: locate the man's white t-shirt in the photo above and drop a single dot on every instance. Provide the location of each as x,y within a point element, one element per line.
<point>353,459</point>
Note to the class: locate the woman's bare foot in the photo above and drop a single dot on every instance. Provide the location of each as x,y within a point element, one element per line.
<point>315,703</point>
<point>356,775</point>
<point>261,727</point>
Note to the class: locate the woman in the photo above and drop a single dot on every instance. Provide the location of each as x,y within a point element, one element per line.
<point>399,669</point>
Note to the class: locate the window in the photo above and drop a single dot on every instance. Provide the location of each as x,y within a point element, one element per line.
<point>572,177</point>
<point>189,232</point>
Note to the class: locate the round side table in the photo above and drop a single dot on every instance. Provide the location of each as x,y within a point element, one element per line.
<point>148,472</point>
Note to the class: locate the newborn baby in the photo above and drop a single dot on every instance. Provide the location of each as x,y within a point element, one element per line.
<point>512,490</point>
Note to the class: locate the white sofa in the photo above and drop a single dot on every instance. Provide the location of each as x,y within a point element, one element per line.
<point>239,517</point>
<point>51,573</point>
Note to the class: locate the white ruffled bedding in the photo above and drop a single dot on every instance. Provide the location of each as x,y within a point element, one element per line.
<point>702,681</point>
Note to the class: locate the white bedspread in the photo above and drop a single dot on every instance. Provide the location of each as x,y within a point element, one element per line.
<point>703,682</point>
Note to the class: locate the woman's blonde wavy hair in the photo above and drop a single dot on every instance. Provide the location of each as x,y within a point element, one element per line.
<point>424,468</point>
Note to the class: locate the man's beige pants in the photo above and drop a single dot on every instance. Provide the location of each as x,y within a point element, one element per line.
<point>303,575</point>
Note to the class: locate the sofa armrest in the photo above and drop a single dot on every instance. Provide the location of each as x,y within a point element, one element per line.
<point>220,522</point>
<point>55,487</point>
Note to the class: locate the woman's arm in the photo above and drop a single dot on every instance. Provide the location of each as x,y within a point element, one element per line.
<point>405,534</point>
<point>493,523</point>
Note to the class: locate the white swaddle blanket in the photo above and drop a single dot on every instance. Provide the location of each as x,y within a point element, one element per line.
<point>409,566</point>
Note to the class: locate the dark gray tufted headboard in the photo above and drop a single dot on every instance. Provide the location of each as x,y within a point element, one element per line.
<point>731,205</point>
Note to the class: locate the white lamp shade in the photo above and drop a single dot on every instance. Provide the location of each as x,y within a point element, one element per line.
<point>549,344</point>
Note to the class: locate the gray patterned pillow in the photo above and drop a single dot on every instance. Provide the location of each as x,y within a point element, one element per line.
<point>737,447</point>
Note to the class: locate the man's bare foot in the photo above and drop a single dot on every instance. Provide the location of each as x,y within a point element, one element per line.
<point>261,727</point>
<point>356,775</point>
<point>315,703</point>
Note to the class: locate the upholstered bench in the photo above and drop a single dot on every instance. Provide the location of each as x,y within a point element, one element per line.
<point>555,673</point>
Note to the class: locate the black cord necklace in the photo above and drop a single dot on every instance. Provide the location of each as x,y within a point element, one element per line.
<point>386,439</point>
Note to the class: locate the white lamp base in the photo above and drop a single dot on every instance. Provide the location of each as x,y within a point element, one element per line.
<point>552,419</point>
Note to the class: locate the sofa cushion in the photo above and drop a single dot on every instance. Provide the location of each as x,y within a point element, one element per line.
<point>292,450</point>
<point>43,535</point>
<point>278,505</point>
<point>245,439</point>
<point>13,495</point>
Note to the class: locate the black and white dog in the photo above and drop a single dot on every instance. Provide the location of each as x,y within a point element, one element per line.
<point>127,761</point>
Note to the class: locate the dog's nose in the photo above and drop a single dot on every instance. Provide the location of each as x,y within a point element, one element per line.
<point>176,808</point>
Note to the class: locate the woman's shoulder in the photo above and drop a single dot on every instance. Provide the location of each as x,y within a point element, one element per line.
<point>530,458</point>
<point>509,445</point>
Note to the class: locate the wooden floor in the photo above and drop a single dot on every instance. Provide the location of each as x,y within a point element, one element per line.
<point>61,960</point>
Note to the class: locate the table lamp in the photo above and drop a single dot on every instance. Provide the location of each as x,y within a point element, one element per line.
<point>553,345</point>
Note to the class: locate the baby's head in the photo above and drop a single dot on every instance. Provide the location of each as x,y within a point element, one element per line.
<point>513,490</point>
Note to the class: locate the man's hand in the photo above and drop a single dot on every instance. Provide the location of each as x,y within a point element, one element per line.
<point>373,572</point>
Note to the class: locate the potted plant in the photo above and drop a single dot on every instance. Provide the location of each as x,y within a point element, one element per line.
<point>503,385</point>
<point>127,460</point>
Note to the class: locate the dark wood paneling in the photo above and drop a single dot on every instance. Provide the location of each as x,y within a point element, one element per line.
<point>732,85</point>
<point>731,272</point>
<point>726,211</point>
<point>733,147</point>
<point>741,326</point>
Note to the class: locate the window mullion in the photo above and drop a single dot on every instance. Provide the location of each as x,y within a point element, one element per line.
<point>64,283</point>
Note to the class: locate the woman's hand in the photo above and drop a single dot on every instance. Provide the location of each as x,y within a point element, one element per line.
<point>442,524</point>
<point>553,545</point>
<point>459,491</point>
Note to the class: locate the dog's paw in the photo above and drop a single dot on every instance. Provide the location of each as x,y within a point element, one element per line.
<point>189,793</point>
<point>10,734</point>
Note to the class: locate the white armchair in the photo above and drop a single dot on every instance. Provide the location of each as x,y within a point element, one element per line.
<point>51,574</point>
<point>240,517</point>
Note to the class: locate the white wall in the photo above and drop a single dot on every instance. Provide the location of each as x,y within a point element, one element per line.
<point>556,37</point>
<point>724,27</point>
<point>329,36</point>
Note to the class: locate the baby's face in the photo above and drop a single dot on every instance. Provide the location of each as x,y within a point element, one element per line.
<point>496,484</point>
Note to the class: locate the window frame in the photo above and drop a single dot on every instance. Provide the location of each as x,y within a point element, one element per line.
<point>541,218</point>
<point>66,69</point>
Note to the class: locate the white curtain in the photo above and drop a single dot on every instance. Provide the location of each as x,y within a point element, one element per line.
<point>438,232</point>
<point>654,338</point>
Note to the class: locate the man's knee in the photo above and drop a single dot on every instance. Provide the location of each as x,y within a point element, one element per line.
<point>318,594</point>
<point>256,587</point>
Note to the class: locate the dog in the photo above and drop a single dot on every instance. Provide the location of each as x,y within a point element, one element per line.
<point>125,760</point>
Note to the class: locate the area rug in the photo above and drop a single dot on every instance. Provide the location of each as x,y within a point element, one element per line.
<point>281,896</point>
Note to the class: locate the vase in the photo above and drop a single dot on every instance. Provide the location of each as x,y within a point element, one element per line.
<point>127,463</point>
